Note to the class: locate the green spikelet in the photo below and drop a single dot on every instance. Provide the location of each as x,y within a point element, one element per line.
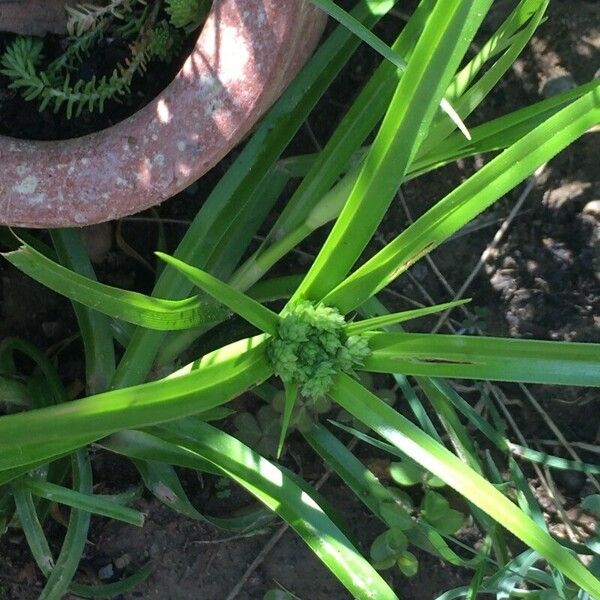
<point>162,41</point>
<point>311,348</point>
<point>187,14</point>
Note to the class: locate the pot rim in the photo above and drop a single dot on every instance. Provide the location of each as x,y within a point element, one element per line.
<point>246,53</point>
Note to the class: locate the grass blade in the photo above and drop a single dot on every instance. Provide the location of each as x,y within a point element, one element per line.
<point>32,528</point>
<point>76,537</point>
<point>161,479</point>
<point>95,330</point>
<point>91,503</point>
<point>35,435</point>
<point>362,117</point>
<point>280,493</point>
<point>498,359</point>
<point>251,310</point>
<point>375,323</point>
<point>291,393</point>
<point>133,307</point>
<point>468,200</point>
<point>439,50</point>
<point>466,102</point>
<point>434,457</point>
<point>367,36</point>
<point>110,590</point>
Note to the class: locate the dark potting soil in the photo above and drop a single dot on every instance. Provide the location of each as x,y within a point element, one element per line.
<point>23,119</point>
<point>541,281</point>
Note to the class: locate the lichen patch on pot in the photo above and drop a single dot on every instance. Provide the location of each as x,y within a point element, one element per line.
<point>27,185</point>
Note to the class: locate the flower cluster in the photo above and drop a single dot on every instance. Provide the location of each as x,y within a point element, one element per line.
<point>187,14</point>
<point>311,348</point>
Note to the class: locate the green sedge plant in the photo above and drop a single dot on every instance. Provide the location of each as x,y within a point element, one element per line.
<point>332,328</point>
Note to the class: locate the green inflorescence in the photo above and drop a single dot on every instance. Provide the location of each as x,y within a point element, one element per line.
<point>311,348</point>
<point>162,41</point>
<point>187,14</point>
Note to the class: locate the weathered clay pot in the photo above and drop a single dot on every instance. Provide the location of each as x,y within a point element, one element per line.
<point>247,53</point>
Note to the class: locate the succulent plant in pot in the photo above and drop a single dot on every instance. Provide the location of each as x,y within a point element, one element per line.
<point>245,54</point>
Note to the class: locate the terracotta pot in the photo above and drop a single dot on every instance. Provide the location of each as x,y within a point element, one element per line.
<point>246,54</point>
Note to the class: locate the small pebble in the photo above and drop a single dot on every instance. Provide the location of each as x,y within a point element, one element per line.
<point>558,85</point>
<point>106,572</point>
<point>592,208</point>
<point>122,561</point>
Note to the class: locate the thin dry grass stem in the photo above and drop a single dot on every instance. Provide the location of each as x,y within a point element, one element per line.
<point>484,224</point>
<point>556,499</point>
<point>556,431</point>
<point>493,245</point>
<point>128,250</point>
<point>581,445</point>
<point>395,294</point>
<point>313,138</point>
<point>398,14</point>
<point>432,264</point>
<point>569,525</point>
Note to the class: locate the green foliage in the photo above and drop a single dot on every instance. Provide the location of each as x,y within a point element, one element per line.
<point>20,63</point>
<point>259,431</point>
<point>310,348</point>
<point>408,472</point>
<point>163,423</point>
<point>163,41</point>
<point>187,14</point>
<point>305,411</point>
<point>436,510</point>
<point>54,85</point>
<point>87,17</point>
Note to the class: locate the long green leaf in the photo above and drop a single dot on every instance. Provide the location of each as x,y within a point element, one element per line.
<point>251,310</point>
<point>393,318</point>
<point>530,13</point>
<point>468,200</point>
<point>492,136</point>
<point>221,228</point>
<point>339,14</point>
<point>470,357</point>
<point>161,479</point>
<point>280,493</point>
<point>555,462</point>
<point>32,528</point>
<point>133,307</point>
<point>440,48</point>
<point>95,328</point>
<point>499,133</point>
<point>220,376</point>
<point>91,503</point>
<point>111,590</point>
<point>434,457</point>
<point>77,532</point>
<point>362,117</point>
<point>379,499</point>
